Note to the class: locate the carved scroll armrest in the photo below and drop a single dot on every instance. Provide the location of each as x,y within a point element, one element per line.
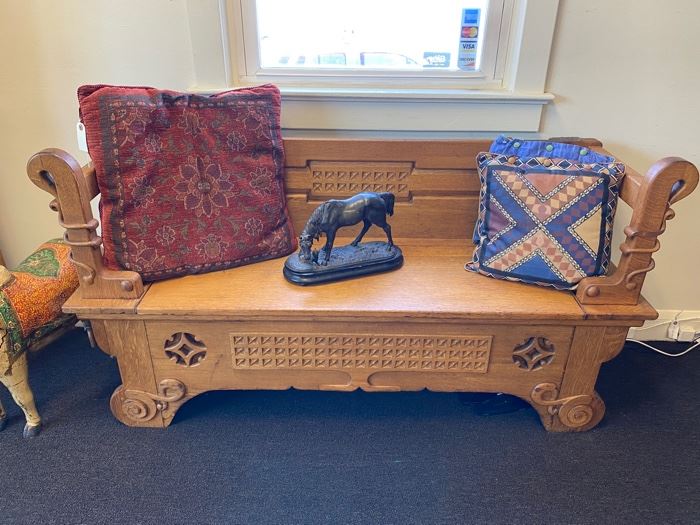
<point>667,181</point>
<point>59,174</point>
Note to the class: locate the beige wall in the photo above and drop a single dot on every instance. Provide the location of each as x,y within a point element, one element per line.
<point>48,50</point>
<point>627,72</point>
<point>624,71</point>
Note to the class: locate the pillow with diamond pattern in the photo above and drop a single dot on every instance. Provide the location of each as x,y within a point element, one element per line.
<point>189,183</point>
<point>544,221</point>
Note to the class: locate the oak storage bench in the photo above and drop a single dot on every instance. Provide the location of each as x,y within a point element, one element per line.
<point>430,324</point>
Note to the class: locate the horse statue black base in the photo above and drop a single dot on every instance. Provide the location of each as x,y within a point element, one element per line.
<point>310,266</point>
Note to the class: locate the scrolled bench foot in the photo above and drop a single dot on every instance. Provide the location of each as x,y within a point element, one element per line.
<point>576,413</point>
<point>137,408</point>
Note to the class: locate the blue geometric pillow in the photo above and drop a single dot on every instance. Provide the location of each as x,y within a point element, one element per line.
<point>544,221</point>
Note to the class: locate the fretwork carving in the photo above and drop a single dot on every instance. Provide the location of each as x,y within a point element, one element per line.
<point>339,179</point>
<point>390,352</point>
<point>533,353</point>
<point>185,349</point>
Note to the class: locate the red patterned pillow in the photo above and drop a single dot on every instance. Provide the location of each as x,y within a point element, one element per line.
<point>189,183</point>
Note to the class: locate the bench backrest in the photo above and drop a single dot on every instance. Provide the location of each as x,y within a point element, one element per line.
<point>437,192</point>
<point>435,183</point>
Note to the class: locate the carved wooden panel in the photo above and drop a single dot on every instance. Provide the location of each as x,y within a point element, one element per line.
<point>465,353</point>
<point>184,349</point>
<point>533,353</point>
<point>342,179</point>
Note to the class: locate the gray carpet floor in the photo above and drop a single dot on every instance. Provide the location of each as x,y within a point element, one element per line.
<point>323,457</point>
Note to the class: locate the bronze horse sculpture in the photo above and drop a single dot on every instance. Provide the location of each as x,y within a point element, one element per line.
<point>368,207</point>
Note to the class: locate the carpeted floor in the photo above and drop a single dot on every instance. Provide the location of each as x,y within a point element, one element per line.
<point>319,457</point>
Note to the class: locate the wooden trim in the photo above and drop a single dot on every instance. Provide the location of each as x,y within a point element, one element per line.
<point>91,180</point>
<point>73,187</point>
<point>435,154</point>
<point>135,401</point>
<point>667,181</point>
<point>575,405</point>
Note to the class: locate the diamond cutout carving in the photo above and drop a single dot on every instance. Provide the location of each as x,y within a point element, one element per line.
<point>533,353</point>
<point>184,349</point>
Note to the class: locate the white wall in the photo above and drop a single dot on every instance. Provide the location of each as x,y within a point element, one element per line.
<point>623,71</point>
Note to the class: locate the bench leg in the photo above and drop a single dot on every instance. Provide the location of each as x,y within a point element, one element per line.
<point>137,408</point>
<point>140,401</point>
<point>574,405</point>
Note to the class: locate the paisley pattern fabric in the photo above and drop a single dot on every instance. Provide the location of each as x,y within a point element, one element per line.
<point>188,183</point>
<point>31,300</point>
<point>544,221</point>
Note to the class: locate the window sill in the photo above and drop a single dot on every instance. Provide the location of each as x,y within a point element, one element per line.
<point>412,110</point>
<point>431,110</point>
<point>413,95</point>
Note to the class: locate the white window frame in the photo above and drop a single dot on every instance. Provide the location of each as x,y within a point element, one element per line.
<point>511,102</point>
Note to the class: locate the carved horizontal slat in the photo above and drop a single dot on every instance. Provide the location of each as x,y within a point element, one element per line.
<point>436,154</point>
<point>417,212</point>
<point>343,179</point>
<point>307,351</point>
<point>445,182</point>
<point>420,181</point>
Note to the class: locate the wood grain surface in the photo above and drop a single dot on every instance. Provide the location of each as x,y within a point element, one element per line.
<point>430,324</point>
<point>431,284</point>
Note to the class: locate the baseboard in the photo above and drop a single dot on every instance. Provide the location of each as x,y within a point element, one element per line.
<point>658,330</point>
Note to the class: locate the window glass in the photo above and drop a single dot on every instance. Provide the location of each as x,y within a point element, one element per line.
<point>390,35</point>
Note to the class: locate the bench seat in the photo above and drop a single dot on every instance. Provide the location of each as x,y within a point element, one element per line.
<point>432,283</point>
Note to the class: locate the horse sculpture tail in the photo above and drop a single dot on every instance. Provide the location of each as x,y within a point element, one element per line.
<point>388,199</point>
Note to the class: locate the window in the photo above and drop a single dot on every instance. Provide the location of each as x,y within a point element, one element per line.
<point>354,66</point>
<point>376,43</point>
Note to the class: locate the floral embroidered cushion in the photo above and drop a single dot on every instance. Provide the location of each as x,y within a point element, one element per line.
<point>545,221</point>
<point>188,183</point>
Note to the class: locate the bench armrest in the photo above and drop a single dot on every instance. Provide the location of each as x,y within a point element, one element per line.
<point>667,181</point>
<point>73,187</point>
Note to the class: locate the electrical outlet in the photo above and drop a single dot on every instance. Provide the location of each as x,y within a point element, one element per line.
<point>663,329</point>
<point>674,330</point>
<point>686,334</point>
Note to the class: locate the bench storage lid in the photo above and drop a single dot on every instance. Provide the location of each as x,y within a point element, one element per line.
<point>432,285</point>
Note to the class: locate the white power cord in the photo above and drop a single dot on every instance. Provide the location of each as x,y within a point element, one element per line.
<point>691,347</point>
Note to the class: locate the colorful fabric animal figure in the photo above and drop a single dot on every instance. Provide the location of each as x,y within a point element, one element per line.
<point>31,297</point>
